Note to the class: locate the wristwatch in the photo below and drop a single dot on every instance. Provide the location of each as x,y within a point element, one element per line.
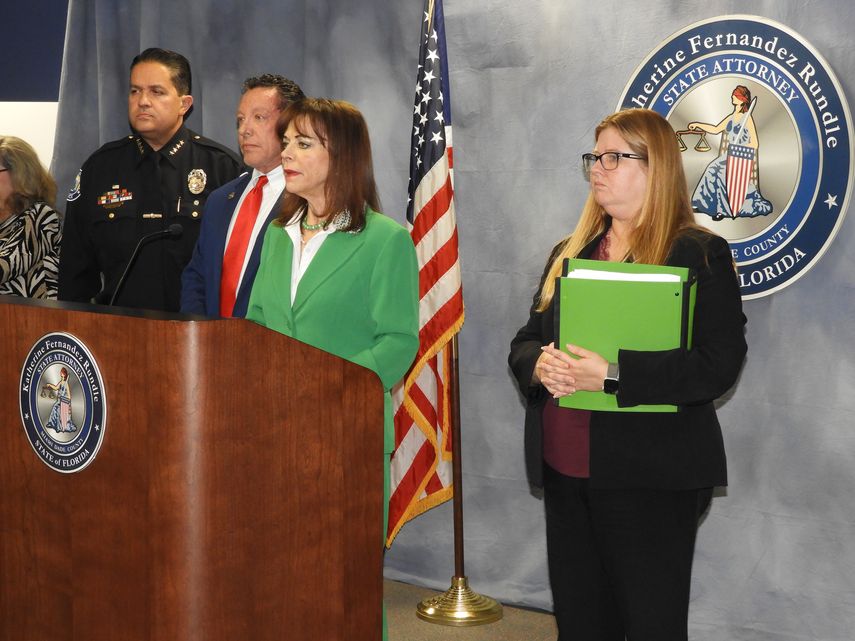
<point>610,383</point>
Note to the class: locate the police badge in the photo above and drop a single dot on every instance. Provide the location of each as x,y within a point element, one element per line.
<point>196,180</point>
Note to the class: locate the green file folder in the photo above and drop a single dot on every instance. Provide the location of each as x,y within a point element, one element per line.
<point>604,316</point>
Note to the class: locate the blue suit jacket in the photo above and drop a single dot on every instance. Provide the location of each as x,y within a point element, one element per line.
<point>200,282</point>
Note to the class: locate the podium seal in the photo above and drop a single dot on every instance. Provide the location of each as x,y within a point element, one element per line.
<point>62,402</point>
<point>766,137</point>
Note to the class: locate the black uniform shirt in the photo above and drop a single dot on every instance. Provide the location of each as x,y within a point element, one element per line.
<point>124,191</point>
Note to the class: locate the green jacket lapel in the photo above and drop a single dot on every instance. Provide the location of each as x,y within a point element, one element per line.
<point>282,286</point>
<point>336,250</point>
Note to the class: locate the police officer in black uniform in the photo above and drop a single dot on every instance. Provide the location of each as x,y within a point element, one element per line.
<point>141,184</point>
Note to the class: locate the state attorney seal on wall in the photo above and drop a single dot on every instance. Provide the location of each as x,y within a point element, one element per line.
<point>766,136</point>
<point>62,402</point>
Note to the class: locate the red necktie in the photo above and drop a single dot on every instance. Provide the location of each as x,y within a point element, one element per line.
<point>236,249</point>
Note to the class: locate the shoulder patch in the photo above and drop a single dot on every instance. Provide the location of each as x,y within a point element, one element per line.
<point>74,192</point>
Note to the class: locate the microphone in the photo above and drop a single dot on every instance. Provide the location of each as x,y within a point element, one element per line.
<point>173,231</point>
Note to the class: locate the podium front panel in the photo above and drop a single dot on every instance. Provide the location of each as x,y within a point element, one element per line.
<point>237,492</point>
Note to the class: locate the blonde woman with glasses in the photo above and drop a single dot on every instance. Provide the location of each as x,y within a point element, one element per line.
<point>624,491</point>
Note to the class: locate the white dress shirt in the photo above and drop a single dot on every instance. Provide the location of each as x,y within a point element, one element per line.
<point>303,254</point>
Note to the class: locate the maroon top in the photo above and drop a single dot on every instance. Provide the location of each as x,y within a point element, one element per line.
<point>567,440</point>
<point>567,431</point>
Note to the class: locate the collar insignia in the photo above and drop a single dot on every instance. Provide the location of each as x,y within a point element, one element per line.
<point>178,145</point>
<point>140,147</point>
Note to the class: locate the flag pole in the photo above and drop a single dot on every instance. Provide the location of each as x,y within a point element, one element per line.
<point>459,605</point>
<point>419,465</point>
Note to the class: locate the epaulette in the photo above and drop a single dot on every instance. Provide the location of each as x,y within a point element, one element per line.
<point>108,147</point>
<point>114,144</point>
<point>213,144</point>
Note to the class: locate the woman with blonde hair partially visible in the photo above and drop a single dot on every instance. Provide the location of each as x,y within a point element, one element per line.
<point>30,231</point>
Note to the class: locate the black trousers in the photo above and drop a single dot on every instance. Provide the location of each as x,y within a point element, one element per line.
<point>620,561</point>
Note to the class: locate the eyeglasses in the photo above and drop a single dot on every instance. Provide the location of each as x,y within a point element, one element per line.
<point>2,169</point>
<point>609,160</point>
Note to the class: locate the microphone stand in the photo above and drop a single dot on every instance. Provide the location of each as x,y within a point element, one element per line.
<point>173,231</point>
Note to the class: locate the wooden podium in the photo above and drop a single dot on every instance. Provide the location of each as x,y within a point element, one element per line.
<point>237,494</point>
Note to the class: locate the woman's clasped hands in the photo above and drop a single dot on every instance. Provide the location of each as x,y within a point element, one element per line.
<point>562,374</point>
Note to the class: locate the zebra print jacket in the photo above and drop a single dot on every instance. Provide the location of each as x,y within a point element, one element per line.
<point>29,253</point>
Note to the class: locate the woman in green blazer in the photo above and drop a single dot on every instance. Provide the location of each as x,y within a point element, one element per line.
<point>334,272</point>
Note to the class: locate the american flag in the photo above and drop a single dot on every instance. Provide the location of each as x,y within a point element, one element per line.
<point>740,163</point>
<point>421,463</point>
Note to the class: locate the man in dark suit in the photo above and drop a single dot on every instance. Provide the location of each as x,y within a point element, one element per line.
<point>219,277</point>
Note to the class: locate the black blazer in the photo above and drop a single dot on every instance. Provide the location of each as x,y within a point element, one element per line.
<point>682,450</point>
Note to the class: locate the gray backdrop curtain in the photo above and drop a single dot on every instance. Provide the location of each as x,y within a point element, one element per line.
<point>529,80</point>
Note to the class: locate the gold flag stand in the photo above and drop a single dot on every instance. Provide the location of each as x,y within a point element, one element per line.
<point>459,605</point>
